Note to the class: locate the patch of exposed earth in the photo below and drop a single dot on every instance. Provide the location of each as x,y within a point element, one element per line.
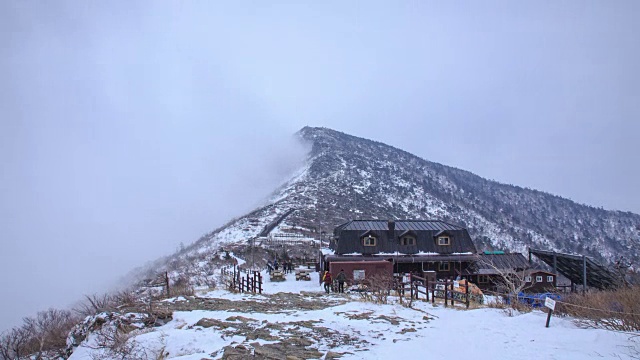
<point>290,338</point>
<point>268,304</point>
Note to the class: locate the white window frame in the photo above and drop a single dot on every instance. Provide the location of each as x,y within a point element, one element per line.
<point>550,278</point>
<point>444,243</point>
<point>369,240</point>
<point>358,275</point>
<point>538,278</point>
<point>527,279</point>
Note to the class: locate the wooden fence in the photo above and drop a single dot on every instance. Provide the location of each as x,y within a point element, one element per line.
<point>243,281</point>
<point>288,242</point>
<point>421,287</point>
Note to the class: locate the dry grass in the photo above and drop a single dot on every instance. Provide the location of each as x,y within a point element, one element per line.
<point>509,307</point>
<point>612,310</point>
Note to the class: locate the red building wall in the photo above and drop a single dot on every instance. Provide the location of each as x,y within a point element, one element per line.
<point>370,268</point>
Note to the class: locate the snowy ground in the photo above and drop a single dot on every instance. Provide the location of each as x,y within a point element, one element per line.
<point>323,326</point>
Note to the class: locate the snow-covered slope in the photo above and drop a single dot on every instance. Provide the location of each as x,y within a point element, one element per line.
<point>295,320</point>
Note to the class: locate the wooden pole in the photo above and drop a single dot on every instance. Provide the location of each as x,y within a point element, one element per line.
<point>433,294</point>
<point>584,274</point>
<point>426,288</point>
<point>234,276</point>
<point>549,317</point>
<point>446,291</point>
<point>452,304</point>
<point>411,286</point>
<point>466,290</point>
<point>166,282</point>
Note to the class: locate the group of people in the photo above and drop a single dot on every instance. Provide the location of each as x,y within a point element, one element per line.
<point>287,266</point>
<point>327,280</point>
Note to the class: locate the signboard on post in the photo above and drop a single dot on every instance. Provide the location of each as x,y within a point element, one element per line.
<point>550,303</point>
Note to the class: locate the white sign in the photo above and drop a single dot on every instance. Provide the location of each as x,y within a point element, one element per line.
<point>358,275</point>
<point>550,303</point>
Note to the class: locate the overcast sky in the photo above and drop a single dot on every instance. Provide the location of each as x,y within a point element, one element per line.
<point>127,128</point>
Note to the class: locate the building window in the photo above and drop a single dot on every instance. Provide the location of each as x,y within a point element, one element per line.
<point>527,279</point>
<point>407,241</point>
<point>370,241</point>
<point>550,279</point>
<point>483,279</point>
<point>538,278</point>
<point>443,266</point>
<point>443,240</point>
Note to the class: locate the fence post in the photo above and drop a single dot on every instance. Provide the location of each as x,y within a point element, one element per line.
<point>254,281</point>
<point>410,286</point>
<point>452,298</point>
<point>426,287</point>
<point>466,290</point>
<point>411,294</point>
<point>446,291</point>
<point>166,281</point>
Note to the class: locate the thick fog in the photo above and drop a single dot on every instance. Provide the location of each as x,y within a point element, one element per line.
<point>127,128</point>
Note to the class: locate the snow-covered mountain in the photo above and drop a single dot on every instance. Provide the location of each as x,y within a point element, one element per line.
<point>346,177</point>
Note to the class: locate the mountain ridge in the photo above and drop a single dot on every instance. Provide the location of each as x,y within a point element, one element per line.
<point>346,177</point>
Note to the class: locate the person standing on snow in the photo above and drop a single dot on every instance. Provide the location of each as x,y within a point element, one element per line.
<point>341,279</point>
<point>327,281</point>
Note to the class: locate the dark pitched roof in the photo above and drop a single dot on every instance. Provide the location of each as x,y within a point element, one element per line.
<point>495,263</point>
<point>408,232</point>
<point>402,225</point>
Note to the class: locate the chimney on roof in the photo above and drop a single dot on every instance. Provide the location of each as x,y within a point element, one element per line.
<point>392,229</point>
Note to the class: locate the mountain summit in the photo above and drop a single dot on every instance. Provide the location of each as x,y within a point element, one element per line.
<point>346,177</point>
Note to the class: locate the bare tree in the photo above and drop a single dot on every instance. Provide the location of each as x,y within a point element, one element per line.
<point>13,344</point>
<point>40,337</point>
<point>623,270</point>
<point>95,304</point>
<point>48,331</point>
<point>378,288</point>
<point>510,274</point>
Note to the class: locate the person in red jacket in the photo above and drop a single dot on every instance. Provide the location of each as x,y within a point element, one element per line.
<point>327,279</point>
